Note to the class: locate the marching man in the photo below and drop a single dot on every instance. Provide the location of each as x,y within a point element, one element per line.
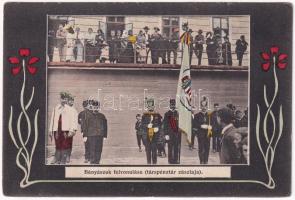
<point>151,124</point>
<point>172,134</point>
<point>202,127</point>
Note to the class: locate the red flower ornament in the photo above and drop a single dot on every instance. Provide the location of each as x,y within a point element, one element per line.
<point>24,52</point>
<point>278,60</point>
<point>18,64</point>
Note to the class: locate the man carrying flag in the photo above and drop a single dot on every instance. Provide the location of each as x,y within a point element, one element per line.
<point>184,93</point>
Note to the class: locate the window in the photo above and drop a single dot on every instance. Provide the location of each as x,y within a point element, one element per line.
<point>168,24</point>
<point>115,23</point>
<point>220,26</point>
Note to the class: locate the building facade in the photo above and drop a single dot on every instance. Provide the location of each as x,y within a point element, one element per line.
<point>231,26</point>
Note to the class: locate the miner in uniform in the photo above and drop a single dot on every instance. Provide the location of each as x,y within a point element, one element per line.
<point>60,127</point>
<point>95,130</point>
<point>172,133</point>
<point>151,125</point>
<point>202,127</point>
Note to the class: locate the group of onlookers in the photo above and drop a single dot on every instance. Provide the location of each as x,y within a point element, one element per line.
<point>122,46</point>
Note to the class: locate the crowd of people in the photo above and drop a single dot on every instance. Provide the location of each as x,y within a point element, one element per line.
<point>122,46</point>
<point>226,127</point>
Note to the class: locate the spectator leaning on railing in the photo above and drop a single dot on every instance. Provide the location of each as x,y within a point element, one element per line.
<point>141,47</point>
<point>90,50</point>
<point>173,45</point>
<point>241,47</point>
<point>199,42</point>
<point>61,42</point>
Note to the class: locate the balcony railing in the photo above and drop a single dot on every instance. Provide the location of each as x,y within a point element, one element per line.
<point>136,54</point>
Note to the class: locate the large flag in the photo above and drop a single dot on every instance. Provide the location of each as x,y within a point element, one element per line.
<point>184,91</point>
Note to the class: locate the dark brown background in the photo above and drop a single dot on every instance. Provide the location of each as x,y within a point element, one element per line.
<point>25,26</point>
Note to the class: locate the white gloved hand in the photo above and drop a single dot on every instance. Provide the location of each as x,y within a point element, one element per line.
<point>204,126</point>
<point>167,137</point>
<point>85,139</point>
<point>104,138</point>
<point>156,129</point>
<point>209,127</point>
<point>150,126</point>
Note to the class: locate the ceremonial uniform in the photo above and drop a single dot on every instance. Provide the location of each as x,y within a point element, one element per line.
<point>151,125</point>
<point>170,127</point>
<point>200,126</point>
<point>61,124</point>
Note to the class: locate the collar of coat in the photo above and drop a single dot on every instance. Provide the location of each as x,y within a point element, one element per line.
<point>226,128</point>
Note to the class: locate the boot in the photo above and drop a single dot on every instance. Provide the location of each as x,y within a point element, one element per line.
<point>63,157</point>
<point>68,153</point>
<point>57,157</point>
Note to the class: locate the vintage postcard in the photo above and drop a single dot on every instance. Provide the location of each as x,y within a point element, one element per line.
<point>147,99</point>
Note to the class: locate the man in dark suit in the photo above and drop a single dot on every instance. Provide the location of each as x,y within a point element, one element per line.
<point>151,125</point>
<point>95,130</point>
<point>202,128</point>
<point>231,138</point>
<point>199,42</point>
<point>172,134</point>
<point>216,130</point>
<point>241,47</point>
<point>81,120</point>
<point>226,52</point>
<point>173,45</point>
<point>155,45</point>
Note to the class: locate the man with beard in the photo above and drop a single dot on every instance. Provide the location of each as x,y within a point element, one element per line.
<point>151,125</point>
<point>95,130</point>
<point>172,134</point>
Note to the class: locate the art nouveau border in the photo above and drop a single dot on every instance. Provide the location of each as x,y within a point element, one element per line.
<point>266,141</point>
